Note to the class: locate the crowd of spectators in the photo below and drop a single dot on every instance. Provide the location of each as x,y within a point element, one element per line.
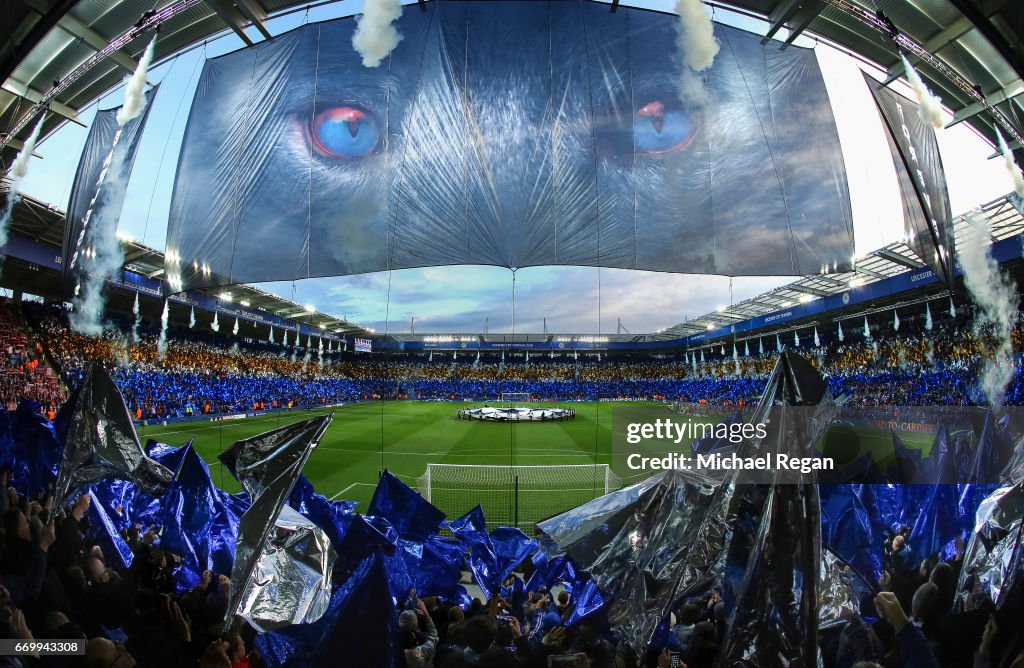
<point>22,375</point>
<point>201,374</point>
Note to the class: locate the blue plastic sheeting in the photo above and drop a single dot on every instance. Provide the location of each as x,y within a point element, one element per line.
<point>511,134</point>
<point>29,447</point>
<point>412,516</point>
<point>491,556</point>
<point>360,627</point>
<point>104,533</point>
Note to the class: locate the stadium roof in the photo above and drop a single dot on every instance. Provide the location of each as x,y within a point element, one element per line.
<point>895,258</point>
<point>45,223</point>
<point>72,52</point>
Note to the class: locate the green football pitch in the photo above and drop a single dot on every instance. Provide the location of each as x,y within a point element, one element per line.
<point>403,437</point>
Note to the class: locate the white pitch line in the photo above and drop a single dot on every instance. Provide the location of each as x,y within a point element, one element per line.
<point>348,488</point>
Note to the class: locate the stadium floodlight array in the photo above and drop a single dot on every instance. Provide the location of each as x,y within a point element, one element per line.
<point>514,398</point>
<point>518,496</point>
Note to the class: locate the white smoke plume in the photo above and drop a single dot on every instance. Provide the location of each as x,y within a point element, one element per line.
<point>952,309</point>
<point>928,106</point>
<point>271,337</point>
<point>927,317</point>
<point>106,256</point>
<point>1011,164</point>
<point>895,321</point>
<point>697,43</point>
<point>103,255</point>
<point>867,330</point>
<point>693,362</point>
<point>722,351</point>
<point>215,325</point>
<point>996,297</point>
<point>778,344</point>
<point>234,330</point>
<point>696,35</point>
<point>375,36</point>
<point>192,317</point>
<point>841,332</point>
<point>161,344</point>
<point>760,346</point>
<point>796,338</point>
<point>284,340</point>
<point>135,87</point>
<point>19,170</point>
<point>138,319</point>
<point>817,341</point>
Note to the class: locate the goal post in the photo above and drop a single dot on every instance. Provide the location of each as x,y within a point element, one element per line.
<point>514,399</point>
<point>518,496</point>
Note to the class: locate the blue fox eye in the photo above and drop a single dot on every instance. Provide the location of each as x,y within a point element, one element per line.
<point>658,129</point>
<point>345,132</point>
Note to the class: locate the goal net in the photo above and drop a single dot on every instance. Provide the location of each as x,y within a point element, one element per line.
<point>518,496</point>
<point>514,399</point>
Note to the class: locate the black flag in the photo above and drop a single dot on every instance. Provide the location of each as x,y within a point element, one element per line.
<point>927,214</point>
<point>108,145</point>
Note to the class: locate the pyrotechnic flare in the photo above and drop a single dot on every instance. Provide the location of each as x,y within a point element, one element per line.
<point>841,332</point>
<point>796,338</point>
<point>927,317</point>
<point>817,341</point>
<point>215,325</point>
<point>895,320</point>
<point>192,317</point>
<point>234,330</point>
<point>867,330</point>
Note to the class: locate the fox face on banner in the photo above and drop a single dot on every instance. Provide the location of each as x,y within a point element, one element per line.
<point>510,134</point>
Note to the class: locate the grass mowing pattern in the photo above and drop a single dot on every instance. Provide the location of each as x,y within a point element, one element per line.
<point>404,436</point>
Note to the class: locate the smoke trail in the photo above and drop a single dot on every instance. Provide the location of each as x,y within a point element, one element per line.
<point>841,333</point>
<point>19,170</point>
<point>215,325</point>
<point>271,337</point>
<point>996,297</point>
<point>867,330</point>
<point>192,317</point>
<point>305,361</point>
<point>895,320</point>
<point>760,346</point>
<point>696,35</point>
<point>320,350</point>
<point>234,330</point>
<point>952,309</point>
<point>105,253</point>
<point>161,344</point>
<point>1011,165</point>
<point>135,88</point>
<point>284,340</point>
<point>778,344</point>
<point>697,43</point>
<point>693,362</point>
<point>138,319</point>
<point>817,341</point>
<point>375,36</point>
<point>746,348</point>
<point>796,338</point>
<point>928,106</point>
<point>927,317</point>
<point>722,351</point>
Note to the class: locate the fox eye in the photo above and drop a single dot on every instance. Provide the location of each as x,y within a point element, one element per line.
<point>344,132</point>
<point>659,129</point>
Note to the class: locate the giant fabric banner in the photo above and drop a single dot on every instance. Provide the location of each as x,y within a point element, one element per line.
<point>95,187</point>
<point>512,134</point>
<point>927,216</point>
